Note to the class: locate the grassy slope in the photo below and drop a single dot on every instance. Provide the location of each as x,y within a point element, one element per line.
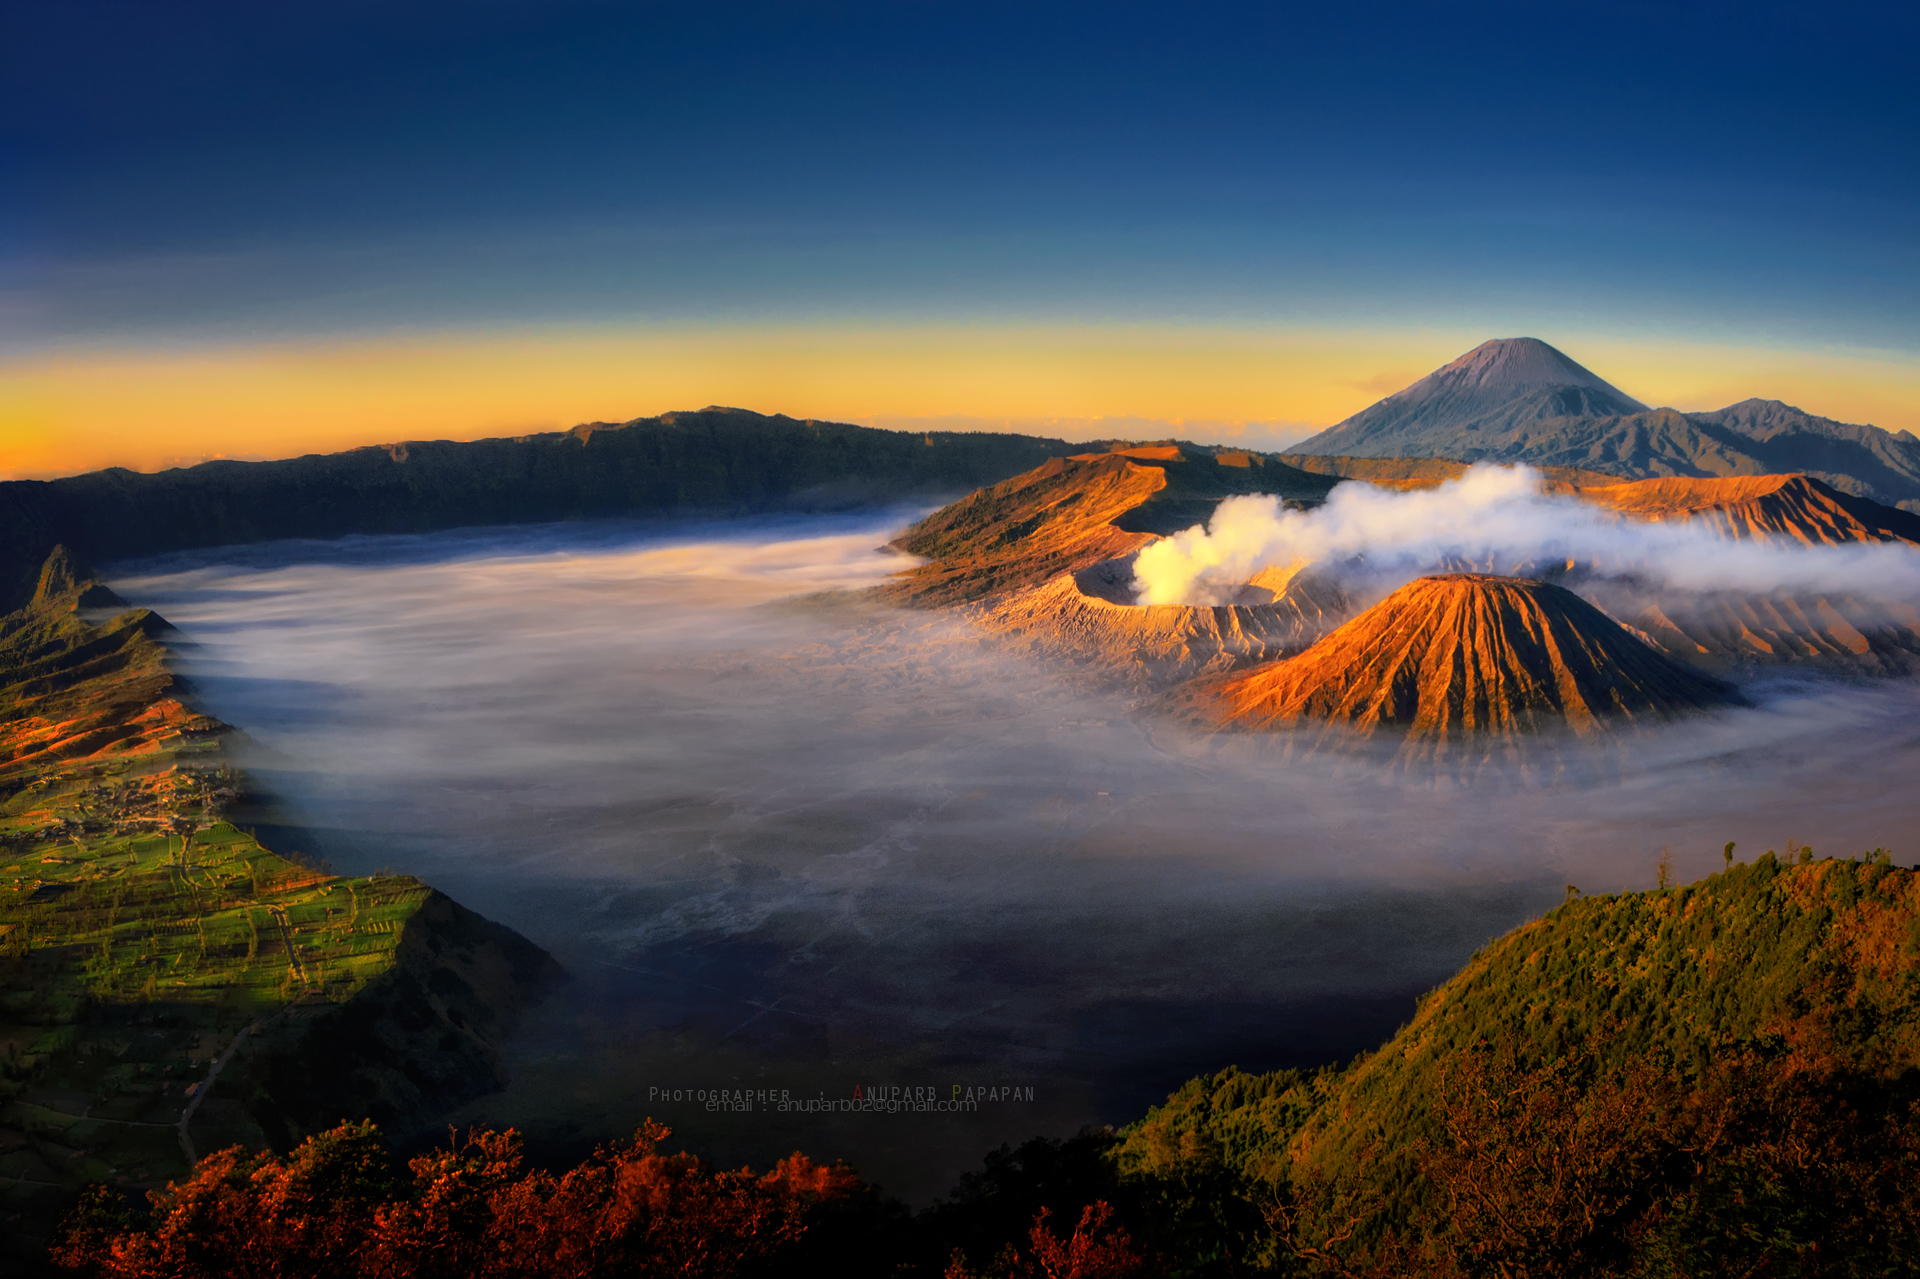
<point>141,934</point>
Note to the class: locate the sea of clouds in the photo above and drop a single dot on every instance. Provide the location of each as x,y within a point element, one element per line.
<point>789,841</point>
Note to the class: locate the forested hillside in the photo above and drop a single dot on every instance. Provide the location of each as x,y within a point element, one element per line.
<point>1712,1079</point>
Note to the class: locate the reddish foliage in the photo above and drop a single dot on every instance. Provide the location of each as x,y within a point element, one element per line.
<point>471,1211</point>
<point>1097,1249</point>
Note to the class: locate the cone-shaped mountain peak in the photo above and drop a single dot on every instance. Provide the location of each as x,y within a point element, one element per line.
<point>1516,365</point>
<point>1468,655</point>
<point>1520,400</point>
<point>1492,388</point>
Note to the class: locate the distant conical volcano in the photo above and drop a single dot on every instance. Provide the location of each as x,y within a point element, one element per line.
<point>1466,655</point>
<point>1519,400</point>
<point>1494,387</point>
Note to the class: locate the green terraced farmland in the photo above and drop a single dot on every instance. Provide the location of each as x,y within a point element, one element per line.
<point>169,985</point>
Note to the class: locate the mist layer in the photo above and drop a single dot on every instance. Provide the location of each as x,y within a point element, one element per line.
<point>785,841</point>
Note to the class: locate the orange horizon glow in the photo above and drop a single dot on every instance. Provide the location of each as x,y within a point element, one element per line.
<point>148,410</point>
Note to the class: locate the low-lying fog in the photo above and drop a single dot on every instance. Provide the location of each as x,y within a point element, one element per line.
<point>788,843</point>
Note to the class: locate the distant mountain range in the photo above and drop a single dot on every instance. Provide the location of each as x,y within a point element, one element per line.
<point>1511,400</point>
<point>1520,400</point>
<point>716,461</point>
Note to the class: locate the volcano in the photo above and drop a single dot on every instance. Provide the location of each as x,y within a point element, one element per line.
<point>1090,618</point>
<point>1462,655</point>
<point>1075,512</point>
<point>1494,388</point>
<point>1520,400</point>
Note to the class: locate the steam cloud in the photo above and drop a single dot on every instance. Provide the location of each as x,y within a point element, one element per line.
<point>1501,519</point>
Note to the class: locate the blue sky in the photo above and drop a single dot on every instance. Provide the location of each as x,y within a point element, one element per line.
<point>1710,188</point>
<point>223,169</point>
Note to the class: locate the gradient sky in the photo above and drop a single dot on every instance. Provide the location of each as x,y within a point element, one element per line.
<point>256,229</point>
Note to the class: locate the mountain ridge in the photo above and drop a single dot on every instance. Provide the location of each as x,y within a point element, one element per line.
<point>712,461</point>
<point>1793,506</point>
<point>1075,512</point>
<point>1450,415</point>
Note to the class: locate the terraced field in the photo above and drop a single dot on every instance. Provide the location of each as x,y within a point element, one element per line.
<point>160,968</point>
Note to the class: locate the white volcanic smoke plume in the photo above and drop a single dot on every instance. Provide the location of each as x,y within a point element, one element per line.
<point>1502,518</point>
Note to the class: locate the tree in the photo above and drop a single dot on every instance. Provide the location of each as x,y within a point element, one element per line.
<point>1535,1168</point>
